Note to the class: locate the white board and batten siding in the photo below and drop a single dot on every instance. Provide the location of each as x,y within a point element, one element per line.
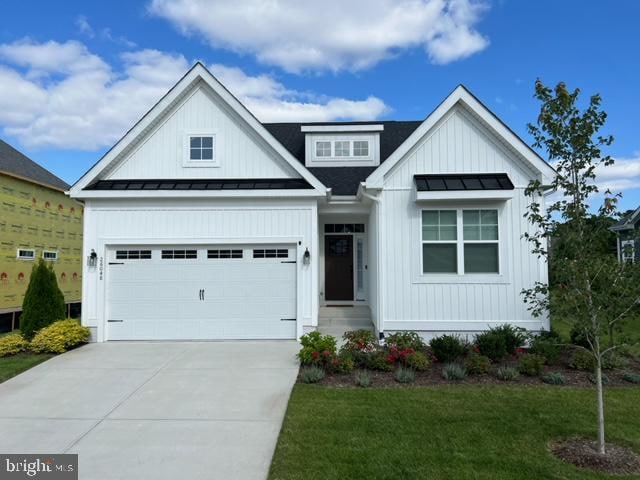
<point>462,303</point>
<point>204,224</point>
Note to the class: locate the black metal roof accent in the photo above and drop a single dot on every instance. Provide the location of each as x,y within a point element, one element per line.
<point>203,184</point>
<point>463,181</point>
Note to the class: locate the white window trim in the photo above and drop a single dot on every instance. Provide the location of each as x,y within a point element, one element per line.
<point>50,259</point>
<point>30,259</point>
<point>623,250</point>
<point>503,277</point>
<point>333,160</point>
<point>186,154</point>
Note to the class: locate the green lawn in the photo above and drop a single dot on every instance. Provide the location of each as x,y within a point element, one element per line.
<point>12,366</point>
<point>454,432</point>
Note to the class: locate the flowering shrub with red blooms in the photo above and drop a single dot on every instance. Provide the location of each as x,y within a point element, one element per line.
<point>316,347</point>
<point>397,355</point>
<point>521,351</point>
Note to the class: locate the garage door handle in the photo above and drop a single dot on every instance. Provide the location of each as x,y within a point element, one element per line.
<point>203,294</point>
<point>200,294</point>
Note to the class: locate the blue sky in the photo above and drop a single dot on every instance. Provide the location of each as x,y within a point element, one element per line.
<point>75,75</point>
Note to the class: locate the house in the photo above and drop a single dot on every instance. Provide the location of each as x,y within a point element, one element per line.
<point>627,231</point>
<point>37,220</point>
<point>203,223</point>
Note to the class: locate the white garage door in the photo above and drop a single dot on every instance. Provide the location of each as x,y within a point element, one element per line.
<point>201,293</point>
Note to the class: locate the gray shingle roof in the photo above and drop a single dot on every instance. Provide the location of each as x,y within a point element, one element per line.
<point>342,180</point>
<point>15,163</point>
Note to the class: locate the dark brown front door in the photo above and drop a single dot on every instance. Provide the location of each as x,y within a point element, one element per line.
<point>338,267</point>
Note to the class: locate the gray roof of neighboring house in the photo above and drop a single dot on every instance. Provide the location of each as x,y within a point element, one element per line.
<point>14,163</point>
<point>628,221</point>
<point>342,180</point>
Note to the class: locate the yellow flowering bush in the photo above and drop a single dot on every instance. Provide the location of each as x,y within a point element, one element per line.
<point>12,344</point>
<point>59,337</point>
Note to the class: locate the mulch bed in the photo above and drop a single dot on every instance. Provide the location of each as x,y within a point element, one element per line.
<point>584,454</point>
<point>433,377</point>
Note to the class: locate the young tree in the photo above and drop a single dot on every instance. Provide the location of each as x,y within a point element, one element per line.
<point>591,290</point>
<point>43,302</point>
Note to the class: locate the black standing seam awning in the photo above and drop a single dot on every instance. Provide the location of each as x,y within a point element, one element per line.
<point>457,182</point>
<point>203,184</point>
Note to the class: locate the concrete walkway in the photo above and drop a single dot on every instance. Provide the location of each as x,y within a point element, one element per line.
<point>146,410</point>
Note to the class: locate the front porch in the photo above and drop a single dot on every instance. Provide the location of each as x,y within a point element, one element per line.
<point>334,320</point>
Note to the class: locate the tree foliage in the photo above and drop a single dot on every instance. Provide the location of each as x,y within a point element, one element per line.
<point>43,301</point>
<point>590,289</point>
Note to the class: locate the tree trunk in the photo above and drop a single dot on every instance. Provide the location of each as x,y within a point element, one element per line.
<point>600,393</point>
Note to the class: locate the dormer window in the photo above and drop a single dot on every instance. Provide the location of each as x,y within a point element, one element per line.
<point>355,145</point>
<point>200,149</point>
<point>342,148</point>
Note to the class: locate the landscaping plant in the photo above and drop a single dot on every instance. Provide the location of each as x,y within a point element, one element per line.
<point>311,374</point>
<point>454,371</point>
<point>631,378</point>
<point>378,361</point>
<point>506,374</point>
<point>12,344</point>
<point>316,348</point>
<point>531,364</point>
<point>359,344</point>
<point>60,337</point>
<point>404,375</point>
<point>477,364</point>
<point>554,378</point>
<point>363,378</point>
<point>418,361</point>
<point>591,290</point>
<point>447,348</point>
<point>405,340</point>
<point>491,344</point>
<point>548,345</point>
<point>43,301</point>
<point>514,337</point>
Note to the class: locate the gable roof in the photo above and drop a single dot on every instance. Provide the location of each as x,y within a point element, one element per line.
<point>197,73</point>
<point>463,96</point>
<point>342,180</point>
<point>628,221</point>
<point>17,164</point>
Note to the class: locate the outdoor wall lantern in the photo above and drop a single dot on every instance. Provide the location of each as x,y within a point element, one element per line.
<point>306,258</point>
<point>92,259</point>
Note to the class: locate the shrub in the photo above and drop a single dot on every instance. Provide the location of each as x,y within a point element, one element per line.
<point>60,337</point>
<point>492,345</point>
<point>613,360</point>
<point>506,374</point>
<point>578,337</point>
<point>12,344</point>
<point>514,337</point>
<point>359,341</point>
<point>316,348</point>
<point>378,361</point>
<point>631,378</point>
<point>582,360</point>
<point>404,375</point>
<point>447,348</point>
<point>554,378</point>
<point>418,361</point>
<point>342,363</point>
<point>363,378</point>
<point>454,371</point>
<point>531,364</point>
<point>477,364</point>
<point>605,379</point>
<point>43,301</point>
<point>546,347</point>
<point>311,374</point>
<point>405,340</point>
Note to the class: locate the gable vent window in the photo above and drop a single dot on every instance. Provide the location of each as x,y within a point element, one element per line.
<point>271,253</point>
<point>26,254</point>
<point>224,253</point>
<point>201,148</point>
<point>50,255</point>
<point>342,148</point>
<point>361,148</point>
<point>179,254</point>
<point>133,254</point>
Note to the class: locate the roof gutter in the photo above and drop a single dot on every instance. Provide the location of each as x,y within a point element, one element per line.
<point>362,192</point>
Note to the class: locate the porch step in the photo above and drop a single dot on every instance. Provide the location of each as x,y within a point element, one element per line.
<point>335,321</point>
<point>358,311</point>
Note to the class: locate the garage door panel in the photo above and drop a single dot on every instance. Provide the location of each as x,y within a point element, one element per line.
<point>159,298</point>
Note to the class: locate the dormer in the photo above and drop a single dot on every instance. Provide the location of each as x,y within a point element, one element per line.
<point>342,145</point>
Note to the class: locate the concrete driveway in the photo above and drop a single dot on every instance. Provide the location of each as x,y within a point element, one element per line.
<point>147,410</point>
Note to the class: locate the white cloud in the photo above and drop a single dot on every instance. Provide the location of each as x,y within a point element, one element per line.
<point>623,175</point>
<point>331,34</point>
<point>60,95</point>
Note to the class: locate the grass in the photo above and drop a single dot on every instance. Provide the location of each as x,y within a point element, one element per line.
<point>13,365</point>
<point>459,432</point>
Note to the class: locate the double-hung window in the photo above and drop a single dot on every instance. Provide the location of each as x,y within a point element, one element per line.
<point>460,241</point>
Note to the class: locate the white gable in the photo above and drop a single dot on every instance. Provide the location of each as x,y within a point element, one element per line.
<point>459,143</point>
<point>239,152</point>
